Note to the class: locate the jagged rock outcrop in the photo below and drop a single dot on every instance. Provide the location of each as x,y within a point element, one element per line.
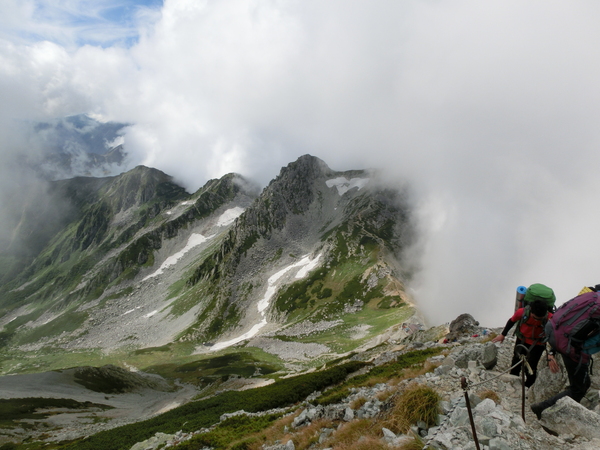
<point>308,209</point>
<point>463,326</point>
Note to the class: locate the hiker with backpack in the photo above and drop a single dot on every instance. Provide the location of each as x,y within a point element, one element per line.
<point>531,319</point>
<point>574,332</point>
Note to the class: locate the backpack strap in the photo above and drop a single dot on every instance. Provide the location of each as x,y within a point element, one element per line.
<point>524,318</point>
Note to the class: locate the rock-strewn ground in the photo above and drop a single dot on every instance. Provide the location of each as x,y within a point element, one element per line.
<point>499,424</point>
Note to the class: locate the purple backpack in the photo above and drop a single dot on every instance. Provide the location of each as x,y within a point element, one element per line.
<point>574,323</point>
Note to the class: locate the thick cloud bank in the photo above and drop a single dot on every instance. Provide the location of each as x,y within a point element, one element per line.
<point>489,108</point>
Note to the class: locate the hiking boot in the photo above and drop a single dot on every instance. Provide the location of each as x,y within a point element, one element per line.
<point>537,409</point>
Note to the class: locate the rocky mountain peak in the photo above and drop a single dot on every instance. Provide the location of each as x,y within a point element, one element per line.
<point>293,190</point>
<point>141,185</point>
<point>306,166</point>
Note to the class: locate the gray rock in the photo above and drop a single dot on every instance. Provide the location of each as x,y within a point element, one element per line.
<point>591,399</point>
<point>445,406</point>
<point>594,444</point>
<point>489,356</point>
<point>499,444</point>
<point>489,427</point>
<point>460,417</point>
<point>485,407</point>
<point>348,414</point>
<point>547,384</point>
<point>325,433</point>
<point>300,419</point>
<point>463,325</point>
<point>388,434</point>
<point>568,416</point>
<point>156,441</point>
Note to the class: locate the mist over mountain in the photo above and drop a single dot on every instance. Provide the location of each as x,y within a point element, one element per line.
<point>135,297</point>
<point>77,145</point>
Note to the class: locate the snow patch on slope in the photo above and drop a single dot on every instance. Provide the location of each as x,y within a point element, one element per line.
<point>194,240</point>
<point>343,185</point>
<point>229,216</point>
<point>305,264</point>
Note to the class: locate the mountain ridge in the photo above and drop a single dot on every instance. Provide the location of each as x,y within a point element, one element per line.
<point>144,265</point>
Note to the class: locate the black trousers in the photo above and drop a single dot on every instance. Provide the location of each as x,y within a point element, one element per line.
<point>579,378</point>
<point>534,357</point>
<point>579,383</point>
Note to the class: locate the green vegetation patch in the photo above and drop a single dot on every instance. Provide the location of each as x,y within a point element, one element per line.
<point>144,351</point>
<point>66,322</point>
<point>207,370</point>
<point>204,413</point>
<point>231,433</point>
<point>385,371</point>
<point>343,337</point>
<point>185,302</point>
<point>391,301</point>
<point>298,295</point>
<point>13,410</point>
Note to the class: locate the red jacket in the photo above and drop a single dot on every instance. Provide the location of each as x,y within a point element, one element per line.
<point>533,329</point>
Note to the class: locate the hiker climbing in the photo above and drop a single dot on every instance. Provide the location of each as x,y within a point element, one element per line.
<point>535,309</point>
<point>574,332</point>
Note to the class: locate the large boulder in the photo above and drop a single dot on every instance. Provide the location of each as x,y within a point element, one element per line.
<point>463,326</point>
<point>569,417</point>
<point>485,355</point>
<point>489,355</point>
<point>547,384</point>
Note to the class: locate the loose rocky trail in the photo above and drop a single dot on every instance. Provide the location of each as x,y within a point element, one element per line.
<point>499,426</point>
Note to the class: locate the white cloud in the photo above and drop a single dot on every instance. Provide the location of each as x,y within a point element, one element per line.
<point>491,108</point>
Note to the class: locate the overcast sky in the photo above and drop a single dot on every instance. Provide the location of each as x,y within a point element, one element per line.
<point>490,108</point>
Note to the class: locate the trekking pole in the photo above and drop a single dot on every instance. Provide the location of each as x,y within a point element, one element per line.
<point>524,366</point>
<point>463,382</point>
<point>523,387</point>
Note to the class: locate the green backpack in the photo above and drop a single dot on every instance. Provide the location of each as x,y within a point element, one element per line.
<point>540,292</point>
<point>535,292</point>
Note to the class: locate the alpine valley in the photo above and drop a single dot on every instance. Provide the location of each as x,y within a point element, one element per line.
<point>132,273</point>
